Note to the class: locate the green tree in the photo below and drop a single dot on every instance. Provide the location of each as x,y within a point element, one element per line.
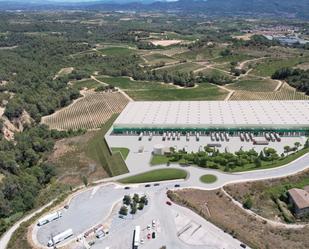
<point>123,210</point>
<point>127,200</point>
<point>297,145</point>
<point>136,198</point>
<point>287,149</point>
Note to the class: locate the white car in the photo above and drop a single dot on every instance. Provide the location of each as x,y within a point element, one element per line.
<point>142,241</point>
<point>153,223</point>
<point>148,227</point>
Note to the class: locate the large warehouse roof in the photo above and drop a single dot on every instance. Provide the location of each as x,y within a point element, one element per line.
<point>215,114</point>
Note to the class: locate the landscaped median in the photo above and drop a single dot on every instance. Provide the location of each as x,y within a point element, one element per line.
<point>240,161</point>
<point>156,176</point>
<point>208,179</point>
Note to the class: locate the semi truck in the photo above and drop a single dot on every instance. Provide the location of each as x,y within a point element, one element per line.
<point>60,237</point>
<point>50,217</point>
<point>136,240</point>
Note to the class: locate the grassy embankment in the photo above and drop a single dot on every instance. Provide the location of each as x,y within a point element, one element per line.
<point>156,176</point>
<point>98,150</point>
<point>123,151</point>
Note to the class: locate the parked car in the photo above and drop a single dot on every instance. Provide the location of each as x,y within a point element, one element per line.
<point>177,186</point>
<point>148,236</point>
<point>153,223</point>
<point>147,185</point>
<point>243,245</point>
<point>169,203</point>
<point>100,234</point>
<point>126,187</point>
<point>148,227</point>
<point>153,235</point>
<point>156,184</point>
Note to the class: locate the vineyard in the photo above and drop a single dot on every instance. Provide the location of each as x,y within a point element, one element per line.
<point>89,112</point>
<point>286,92</point>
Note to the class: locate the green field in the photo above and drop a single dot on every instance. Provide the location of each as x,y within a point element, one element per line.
<point>204,91</point>
<point>183,68</point>
<point>270,66</point>
<point>90,84</point>
<point>117,51</point>
<point>233,58</point>
<point>152,91</point>
<point>157,58</point>
<point>199,54</point>
<point>158,159</point>
<point>98,150</point>
<point>208,179</point>
<point>127,84</point>
<point>156,176</point>
<point>123,151</point>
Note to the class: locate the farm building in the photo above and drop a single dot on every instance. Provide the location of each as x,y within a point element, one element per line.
<point>299,198</point>
<point>289,118</point>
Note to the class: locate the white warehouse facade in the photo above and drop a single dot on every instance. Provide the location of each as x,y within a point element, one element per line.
<point>285,117</point>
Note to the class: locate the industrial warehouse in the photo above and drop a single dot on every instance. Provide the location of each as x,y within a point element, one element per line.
<point>204,117</point>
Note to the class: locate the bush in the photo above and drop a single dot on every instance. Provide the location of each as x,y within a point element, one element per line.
<point>248,203</point>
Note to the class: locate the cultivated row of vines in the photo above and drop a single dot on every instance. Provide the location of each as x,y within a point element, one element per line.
<point>88,112</point>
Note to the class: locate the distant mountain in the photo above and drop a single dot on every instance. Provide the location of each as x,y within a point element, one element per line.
<point>277,8</point>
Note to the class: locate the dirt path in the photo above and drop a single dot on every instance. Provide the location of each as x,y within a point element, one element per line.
<point>99,81</point>
<point>280,84</point>
<point>270,222</point>
<point>230,92</point>
<point>242,64</point>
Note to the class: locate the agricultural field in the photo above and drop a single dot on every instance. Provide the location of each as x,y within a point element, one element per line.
<point>155,91</point>
<point>270,66</point>
<point>88,112</point>
<point>86,83</point>
<point>254,85</point>
<point>127,84</point>
<point>154,58</point>
<point>182,67</point>
<point>286,92</point>
<point>117,51</point>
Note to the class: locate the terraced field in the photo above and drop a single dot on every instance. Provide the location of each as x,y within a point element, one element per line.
<point>285,93</point>
<point>89,112</point>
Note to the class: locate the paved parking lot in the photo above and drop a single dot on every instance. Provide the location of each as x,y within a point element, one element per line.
<point>93,206</point>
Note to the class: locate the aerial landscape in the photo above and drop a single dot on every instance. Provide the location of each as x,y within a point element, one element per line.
<point>154,124</point>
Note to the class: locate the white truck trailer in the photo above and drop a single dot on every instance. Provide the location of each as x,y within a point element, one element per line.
<point>60,237</point>
<point>137,232</point>
<point>50,217</point>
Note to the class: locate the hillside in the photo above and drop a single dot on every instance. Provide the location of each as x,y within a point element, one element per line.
<point>283,8</point>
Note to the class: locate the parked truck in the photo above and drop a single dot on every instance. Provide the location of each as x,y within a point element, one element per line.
<point>60,237</point>
<point>50,217</point>
<point>136,237</point>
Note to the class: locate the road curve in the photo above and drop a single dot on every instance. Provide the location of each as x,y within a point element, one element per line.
<point>193,181</point>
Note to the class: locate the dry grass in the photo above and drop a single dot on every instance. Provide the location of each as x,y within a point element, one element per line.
<point>72,163</point>
<point>261,193</point>
<point>165,43</point>
<point>234,220</point>
<point>88,112</point>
